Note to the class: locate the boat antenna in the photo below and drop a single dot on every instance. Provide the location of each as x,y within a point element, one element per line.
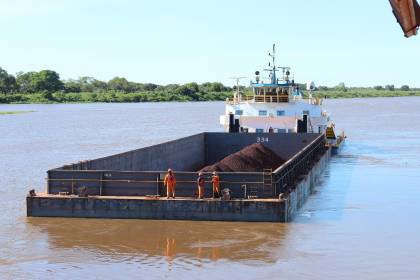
<point>273,68</point>
<point>237,95</point>
<point>273,56</point>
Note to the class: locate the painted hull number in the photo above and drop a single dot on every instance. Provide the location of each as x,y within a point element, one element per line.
<point>262,139</point>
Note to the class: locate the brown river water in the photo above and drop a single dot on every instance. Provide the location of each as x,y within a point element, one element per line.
<point>362,222</point>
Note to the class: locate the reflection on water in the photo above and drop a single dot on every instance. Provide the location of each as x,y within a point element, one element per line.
<point>360,223</point>
<point>199,241</point>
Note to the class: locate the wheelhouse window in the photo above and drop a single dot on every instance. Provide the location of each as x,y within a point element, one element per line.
<point>281,113</point>
<point>239,112</point>
<point>281,130</point>
<point>259,130</point>
<point>305,112</point>
<point>262,112</point>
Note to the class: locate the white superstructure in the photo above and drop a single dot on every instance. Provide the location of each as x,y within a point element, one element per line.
<point>275,106</point>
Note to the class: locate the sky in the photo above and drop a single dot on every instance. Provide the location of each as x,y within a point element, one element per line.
<point>357,42</point>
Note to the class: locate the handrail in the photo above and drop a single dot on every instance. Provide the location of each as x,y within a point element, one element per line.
<point>279,98</point>
<point>288,172</point>
<point>299,153</point>
<point>293,167</point>
<point>149,171</point>
<point>145,181</point>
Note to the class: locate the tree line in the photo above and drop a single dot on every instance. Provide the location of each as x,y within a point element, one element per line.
<point>390,87</point>
<point>47,85</point>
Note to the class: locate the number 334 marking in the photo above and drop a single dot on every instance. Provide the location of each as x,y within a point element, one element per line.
<point>262,139</point>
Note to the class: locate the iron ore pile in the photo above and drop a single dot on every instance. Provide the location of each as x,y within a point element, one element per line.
<point>253,158</point>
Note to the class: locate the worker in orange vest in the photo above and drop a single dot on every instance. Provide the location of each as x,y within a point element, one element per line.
<point>216,185</point>
<point>170,183</point>
<point>200,184</point>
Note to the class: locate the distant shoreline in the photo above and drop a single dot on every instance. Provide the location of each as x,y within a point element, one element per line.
<point>141,97</point>
<point>15,112</point>
<point>46,87</point>
<point>109,97</point>
<point>365,93</point>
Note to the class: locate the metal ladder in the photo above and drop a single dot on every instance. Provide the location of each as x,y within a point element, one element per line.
<point>268,181</point>
<point>251,191</point>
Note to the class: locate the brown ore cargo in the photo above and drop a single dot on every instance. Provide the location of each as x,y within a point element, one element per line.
<point>253,158</point>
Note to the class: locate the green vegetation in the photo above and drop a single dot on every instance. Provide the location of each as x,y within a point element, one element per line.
<point>14,112</point>
<point>341,91</point>
<point>366,92</point>
<point>109,96</point>
<point>46,87</point>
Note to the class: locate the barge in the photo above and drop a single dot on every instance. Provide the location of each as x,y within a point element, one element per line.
<point>131,184</point>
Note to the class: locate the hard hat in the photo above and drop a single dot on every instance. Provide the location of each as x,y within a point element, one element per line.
<point>169,170</point>
<point>214,172</point>
<point>200,173</point>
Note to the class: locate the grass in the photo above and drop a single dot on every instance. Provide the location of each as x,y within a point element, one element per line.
<point>15,112</point>
<point>365,92</point>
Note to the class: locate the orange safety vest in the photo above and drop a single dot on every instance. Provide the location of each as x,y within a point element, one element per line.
<point>201,181</point>
<point>216,182</point>
<point>170,180</point>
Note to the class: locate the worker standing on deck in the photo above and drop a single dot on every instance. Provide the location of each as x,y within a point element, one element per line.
<point>200,184</point>
<point>170,183</point>
<point>216,185</point>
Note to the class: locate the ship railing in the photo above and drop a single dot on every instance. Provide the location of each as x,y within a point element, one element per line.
<point>287,175</point>
<point>278,98</point>
<point>150,183</point>
<point>243,98</point>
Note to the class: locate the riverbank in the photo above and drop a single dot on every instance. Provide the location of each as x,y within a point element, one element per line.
<point>156,96</point>
<point>366,92</point>
<point>109,97</point>
<point>15,112</point>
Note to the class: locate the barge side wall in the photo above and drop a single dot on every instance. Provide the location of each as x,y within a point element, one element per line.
<point>125,208</point>
<point>193,152</point>
<point>304,188</point>
<point>285,145</point>
<point>184,154</point>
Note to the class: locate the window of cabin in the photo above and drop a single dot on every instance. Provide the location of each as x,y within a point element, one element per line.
<point>262,112</point>
<point>259,130</point>
<point>239,112</point>
<point>305,112</point>
<point>281,130</point>
<point>281,113</point>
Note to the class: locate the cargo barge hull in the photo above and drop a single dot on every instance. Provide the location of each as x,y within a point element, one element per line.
<point>123,187</point>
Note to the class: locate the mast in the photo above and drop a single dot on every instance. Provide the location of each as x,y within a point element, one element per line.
<point>273,73</point>
<point>273,69</point>
<point>237,94</point>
